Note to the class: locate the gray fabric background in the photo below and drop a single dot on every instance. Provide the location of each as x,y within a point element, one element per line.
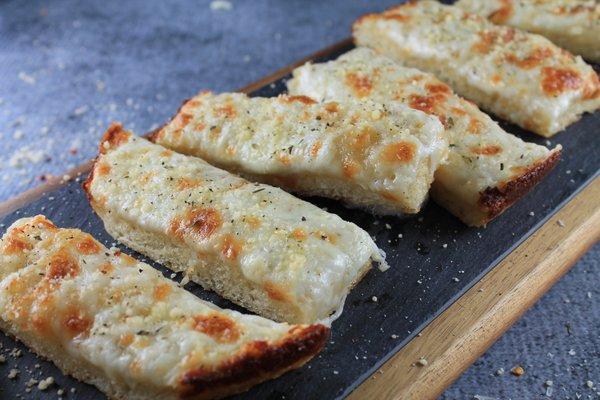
<point>68,68</point>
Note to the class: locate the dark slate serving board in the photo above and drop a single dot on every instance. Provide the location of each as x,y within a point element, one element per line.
<point>434,259</point>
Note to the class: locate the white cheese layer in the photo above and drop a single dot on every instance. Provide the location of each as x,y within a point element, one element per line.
<point>518,76</point>
<point>571,24</point>
<point>380,158</point>
<point>288,250</point>
<point>101,309</point>
<point>482,155</point>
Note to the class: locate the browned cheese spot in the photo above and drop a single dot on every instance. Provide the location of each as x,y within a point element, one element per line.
<point>556,81</point>
<point>489,150</point>
<point>103,168</point>
<point>87,245</point>
<point>501,15</point>
<point>360,84</point>
<point>300,99</point>
<point>314,150</point>
<point>220,327</point>
<point>115,136</point>
<point>299,234</point>
<point>230,247</point>
<point>275,292</point>
<point>225,110</point>
<point>200,222</point>
<point>401,152</point>
<point>188,183</point>
<point>62,264</point>
<point>161,291</point>
<point>76,322</point>
<point>535,58</point>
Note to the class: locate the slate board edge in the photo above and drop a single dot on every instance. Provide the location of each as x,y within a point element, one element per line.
<point>472,283</point>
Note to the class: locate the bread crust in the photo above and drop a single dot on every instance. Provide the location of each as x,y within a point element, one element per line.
<point>257,363</point>
<point>499,198</point>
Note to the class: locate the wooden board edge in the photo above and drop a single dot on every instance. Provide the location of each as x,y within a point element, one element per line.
<point>458,336</point>
<point>56,182</point>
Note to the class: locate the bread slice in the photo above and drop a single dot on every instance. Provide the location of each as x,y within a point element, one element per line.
<point>487,168</point>
<point>380,159</point>
<point>571,24</point>
<point>254,244</point>
<point>118,324</point>
<point>519,76</point>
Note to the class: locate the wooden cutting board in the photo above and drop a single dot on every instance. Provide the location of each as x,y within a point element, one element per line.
<point>451,291</point>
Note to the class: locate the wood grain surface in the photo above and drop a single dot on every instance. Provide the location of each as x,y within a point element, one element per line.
<point>457,337</point>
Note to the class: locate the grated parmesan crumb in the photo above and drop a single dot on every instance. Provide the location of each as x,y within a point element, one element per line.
<point>220,5</point>
<point>46,383</point>
<point>29,79</point>
<point>79,111</point>
<point>31,382</point>
<point>13,373</point>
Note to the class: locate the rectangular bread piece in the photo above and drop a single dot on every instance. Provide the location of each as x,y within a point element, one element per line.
<point>254,244</point>
<point>487,168</point>
<point>519,76</point>
<point>365,155</point>
<point>571,24</point>
<point>118,324</point>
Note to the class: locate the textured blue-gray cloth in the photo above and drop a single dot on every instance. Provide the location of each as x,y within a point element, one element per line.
<point>68,68</point>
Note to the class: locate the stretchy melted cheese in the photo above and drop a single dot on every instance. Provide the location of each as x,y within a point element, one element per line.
<point>254,244</point>
<point>487,168</point>
<point>382,159</point>
<point>572,24</point>
<point>519,76</point>
<point>117,323</point>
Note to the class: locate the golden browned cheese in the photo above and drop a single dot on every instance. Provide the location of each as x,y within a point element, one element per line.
<point>519,76</point>
<point>381,159</point>
<point>571,24</point>
<point>119,324</point>
<point>487,168</point>
<point>238,238</point>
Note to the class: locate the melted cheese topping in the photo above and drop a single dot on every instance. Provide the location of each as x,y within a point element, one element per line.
<point>292,250</point>
<point>482,155</point>
<point>521,77</point>
<point>388,154</point>
<point>122,316</point>
<point>572,24</point>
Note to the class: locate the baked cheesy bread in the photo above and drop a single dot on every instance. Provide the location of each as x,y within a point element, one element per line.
<point>378,158</point>
<point>254,244</point>
<point>519,76</point>
<point>487,169</point>
<point>572,24</point>
<point>117,323</point>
